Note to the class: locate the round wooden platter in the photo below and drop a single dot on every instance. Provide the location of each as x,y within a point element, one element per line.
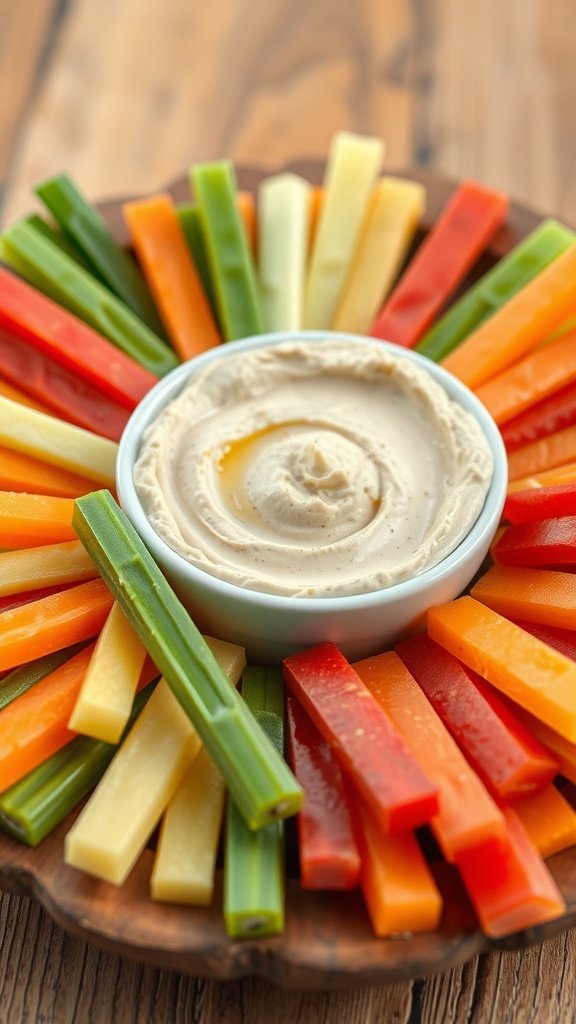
<point>328,941</point>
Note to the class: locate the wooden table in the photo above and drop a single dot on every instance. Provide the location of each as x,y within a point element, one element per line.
<point>124,94</point>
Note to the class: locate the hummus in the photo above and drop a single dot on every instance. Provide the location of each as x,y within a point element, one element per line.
<point>313,469</point>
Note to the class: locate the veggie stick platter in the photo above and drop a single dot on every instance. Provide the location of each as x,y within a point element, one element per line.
<point>327,940</point>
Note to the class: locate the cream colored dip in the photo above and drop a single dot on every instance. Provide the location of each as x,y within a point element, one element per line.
<point>313,468</point>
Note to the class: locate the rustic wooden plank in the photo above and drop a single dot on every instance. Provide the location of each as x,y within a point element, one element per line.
<point>27,30</point>
<point>124,118</point>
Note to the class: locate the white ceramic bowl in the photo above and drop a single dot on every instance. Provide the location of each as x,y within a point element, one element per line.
<point>271,626</point>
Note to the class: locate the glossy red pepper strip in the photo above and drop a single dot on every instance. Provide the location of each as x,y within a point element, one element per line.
<point>462,231</point>
<point>503,752</point>
<point>562,640</point>
<point>328,851</point>
<point>362,737</point>
<point>537,503</point>
<point>554,413</point>
<point>31,316</point>
<point>509,883</point>
<point>550,543</point>
<point>59,388</point>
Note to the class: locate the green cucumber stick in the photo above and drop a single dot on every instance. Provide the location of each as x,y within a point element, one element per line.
<point>549,240</point>
<point>189,217</point>
<point>32,807</point>
<point>262,785</point>
<point>22,679</point>
<point>87,228</point>
<point>254,861</point>
<point>229,257</point>
<point>57,237</point>
<point>47,268</point>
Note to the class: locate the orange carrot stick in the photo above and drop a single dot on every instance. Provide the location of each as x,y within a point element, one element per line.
<point>468,815</point>
<point>528,317</point>
<point>28,520</point>
<point>563,750</point>
<point>530,380</point>
<point>8,391</point>
<point>171,275</point>
<point>528,671</point>
<point>34,726</point>
<point>19,472</point>
<point>547,453</point>
<point>549,820</point>
<point>53,622</point>
<point>316,204</point>
<point>247,210</point>
<point>536,595</point>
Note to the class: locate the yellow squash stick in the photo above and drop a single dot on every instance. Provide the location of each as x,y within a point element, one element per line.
<point>47,566</point>
<point>56,442</point>
<point>105,700</point>
<point>112,830</point>
<point>283,224</point>
<point>353,165</point>
<point>186,856</point>
<point>395,210</point>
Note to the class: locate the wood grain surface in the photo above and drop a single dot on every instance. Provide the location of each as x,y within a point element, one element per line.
<point>124,94</point>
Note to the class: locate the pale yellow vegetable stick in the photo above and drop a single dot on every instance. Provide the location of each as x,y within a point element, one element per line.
<point>185,860</point>
<point>353,165</point>
<point>120,816</point>
<point>283,222</point>
<point>46,566</point>
<point>59,443</point>
<point>105,700</point>
<point>391,220</point>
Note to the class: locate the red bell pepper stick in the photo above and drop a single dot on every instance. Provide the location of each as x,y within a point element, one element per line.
<point>33,317</point>
<point>546,417</point>
<point>362,737</point>
<point>465,227</point>
<point>550,543</point>
<point>327,848</point>
<point>562,640</point>
<point>60,389</point>
<point>537,503</point>
<point>503,752</point>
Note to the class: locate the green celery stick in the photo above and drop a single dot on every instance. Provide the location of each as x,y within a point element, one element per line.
<point>229,258</point>
<point>189,217</point>
<point>261,782</point>
<point>89,231</point>
<point>254,861</point>
<point>32,807</point>
<point>22,679</point>
<point>58,238</point>
<point>50,270</point>
<point>549,240</point>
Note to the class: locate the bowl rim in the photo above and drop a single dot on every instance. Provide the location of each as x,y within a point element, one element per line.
<point>170,386</point>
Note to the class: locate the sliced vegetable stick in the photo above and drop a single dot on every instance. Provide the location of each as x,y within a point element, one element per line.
<point>60,444</point>
<point>283,219</point>
<point>532,379</point>
<point>28,520</point>
<point>469,221</point>
<point>550,543</point>
<point>353,164</point>
<point>467,814</point>
<point>400,893</point>
<point>549,820</point>
<point>390,222</point>
<point>563,750</point>
<point>15,395</point>
<point>546,417</point>
<point>105,701</point>
<point>22,679</point>
<point>562,640</point>
<point>530,672</point>
<point>516,328</point>
<point>45,566</point>
<point>509,884</point>
<point>112,830</point>
<point>23,474</point>
<point>26,596</point>
<point>549,478</point>
<point>189,219</point>
<point>317,197</point>
<point>535,504</point>
<point>537,595</point>
<point>34,726</point>
<point>53,622</point>
<point>247,210</point>
<point>185,858</point>
<point>547,453</point>
<point>161,248</point>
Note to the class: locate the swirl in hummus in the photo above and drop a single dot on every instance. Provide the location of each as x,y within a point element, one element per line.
<point>313,469</point>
